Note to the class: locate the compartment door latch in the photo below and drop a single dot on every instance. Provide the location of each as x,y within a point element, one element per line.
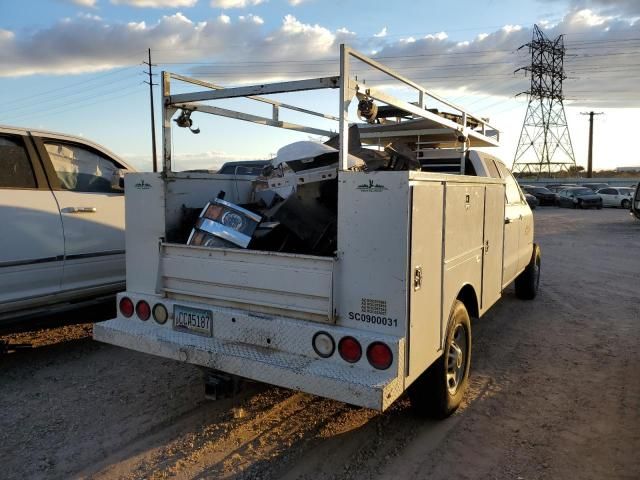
<point>417,278</point>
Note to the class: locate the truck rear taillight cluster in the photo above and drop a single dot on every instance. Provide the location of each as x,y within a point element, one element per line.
<point>143,310</point>
<point>379,354</point>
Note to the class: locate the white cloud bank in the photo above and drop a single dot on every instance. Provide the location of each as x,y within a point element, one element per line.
<point>603,73</point>
<point>84,3</point>
<point>155,3</point>
<point>224,4</point>
<point>617,7</point>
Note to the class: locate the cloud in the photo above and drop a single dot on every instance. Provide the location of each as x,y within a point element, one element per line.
<point>224,4</point>
<point>155,3</point>
<point>382,33</point>
<point>617,7</point>
<point>84,3</point>
<point>602,69</point>
<point>295,3</point>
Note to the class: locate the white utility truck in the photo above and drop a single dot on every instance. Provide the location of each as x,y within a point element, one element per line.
<point>349,269</point>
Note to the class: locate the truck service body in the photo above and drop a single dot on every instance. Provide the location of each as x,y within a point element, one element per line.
<point>414,250</point>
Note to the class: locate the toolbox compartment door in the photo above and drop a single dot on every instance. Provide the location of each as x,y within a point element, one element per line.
<point>282,284</point>
<point>425,276</point>
<point>493,245</point>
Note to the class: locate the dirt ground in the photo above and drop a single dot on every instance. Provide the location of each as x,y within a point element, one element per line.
<point>555,394</point>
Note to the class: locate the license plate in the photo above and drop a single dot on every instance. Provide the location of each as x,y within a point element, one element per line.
<point>192,320</point>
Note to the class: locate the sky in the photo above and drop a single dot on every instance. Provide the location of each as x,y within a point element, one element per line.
<point>75,66</point>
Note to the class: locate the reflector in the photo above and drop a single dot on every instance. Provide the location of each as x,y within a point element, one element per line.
<point>160,313</point>
<point>323,344</point>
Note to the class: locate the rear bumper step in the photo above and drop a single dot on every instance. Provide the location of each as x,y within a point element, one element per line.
<point>345,383</point>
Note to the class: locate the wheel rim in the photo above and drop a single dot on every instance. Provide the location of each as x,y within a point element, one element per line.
<point>626,204</point>
<point>456,359</point>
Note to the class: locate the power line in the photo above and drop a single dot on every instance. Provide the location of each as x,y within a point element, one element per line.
<point>77,107</point>
<point>97,77</point>
<point>64,98</point>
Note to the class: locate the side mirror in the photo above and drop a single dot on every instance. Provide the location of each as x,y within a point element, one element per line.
<point>117,180</point>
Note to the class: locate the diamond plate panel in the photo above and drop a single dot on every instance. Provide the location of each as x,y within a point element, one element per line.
<point>247,353</point>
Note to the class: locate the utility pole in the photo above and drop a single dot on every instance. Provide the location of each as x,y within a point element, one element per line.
<point>153,121</point>
<point>590,158</point>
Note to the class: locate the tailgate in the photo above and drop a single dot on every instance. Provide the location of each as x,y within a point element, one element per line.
<point>289,285</point>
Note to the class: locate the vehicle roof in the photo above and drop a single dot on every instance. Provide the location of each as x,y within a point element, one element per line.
<point>65,136</point>
<point>245,162</point>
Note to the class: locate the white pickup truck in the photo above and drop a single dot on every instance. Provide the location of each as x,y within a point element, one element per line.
<point>62,217</point>
<point>427,235</point>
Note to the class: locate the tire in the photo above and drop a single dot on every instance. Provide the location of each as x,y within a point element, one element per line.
<point>439,391</point>
<point>626,204</point>
<point>528,281</point>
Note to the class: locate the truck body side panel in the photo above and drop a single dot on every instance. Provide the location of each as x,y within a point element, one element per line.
<point>144,222</point>
<point>371,273</point>
<point>425,275</point>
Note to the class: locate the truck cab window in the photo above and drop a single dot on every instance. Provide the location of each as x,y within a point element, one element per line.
<point>512,190</point>
<point>80,169</point>
<point>15,166</point>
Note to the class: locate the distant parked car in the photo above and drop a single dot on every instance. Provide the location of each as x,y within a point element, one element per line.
<point>595,186</point>
<point>62,217</point>
<point>543,194</point>
<point>579,197</point>
<point>532,201</point>
<point>250,167</point>
<point>616,196</point>
<point>556,187</point>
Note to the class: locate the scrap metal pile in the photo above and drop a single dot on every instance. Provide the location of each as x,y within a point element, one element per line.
<point>295,199</point>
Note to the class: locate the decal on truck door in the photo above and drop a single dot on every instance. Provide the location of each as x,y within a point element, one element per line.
<point>371,187</point>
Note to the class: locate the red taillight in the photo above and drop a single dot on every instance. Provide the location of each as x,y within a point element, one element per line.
<point>126,307</point>
<point>379,355</point>
<point>350,349</point>
<point>143,310</point>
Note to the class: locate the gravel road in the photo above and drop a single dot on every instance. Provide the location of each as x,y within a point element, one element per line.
<point>555,393</point>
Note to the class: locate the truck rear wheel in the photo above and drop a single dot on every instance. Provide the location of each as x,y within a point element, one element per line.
<point>528,281</point>
<point>440,390</point>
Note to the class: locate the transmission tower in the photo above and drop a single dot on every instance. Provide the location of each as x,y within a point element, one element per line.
<point>545,144</point>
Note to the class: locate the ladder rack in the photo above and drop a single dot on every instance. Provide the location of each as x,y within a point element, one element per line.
<point>419,126</point>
